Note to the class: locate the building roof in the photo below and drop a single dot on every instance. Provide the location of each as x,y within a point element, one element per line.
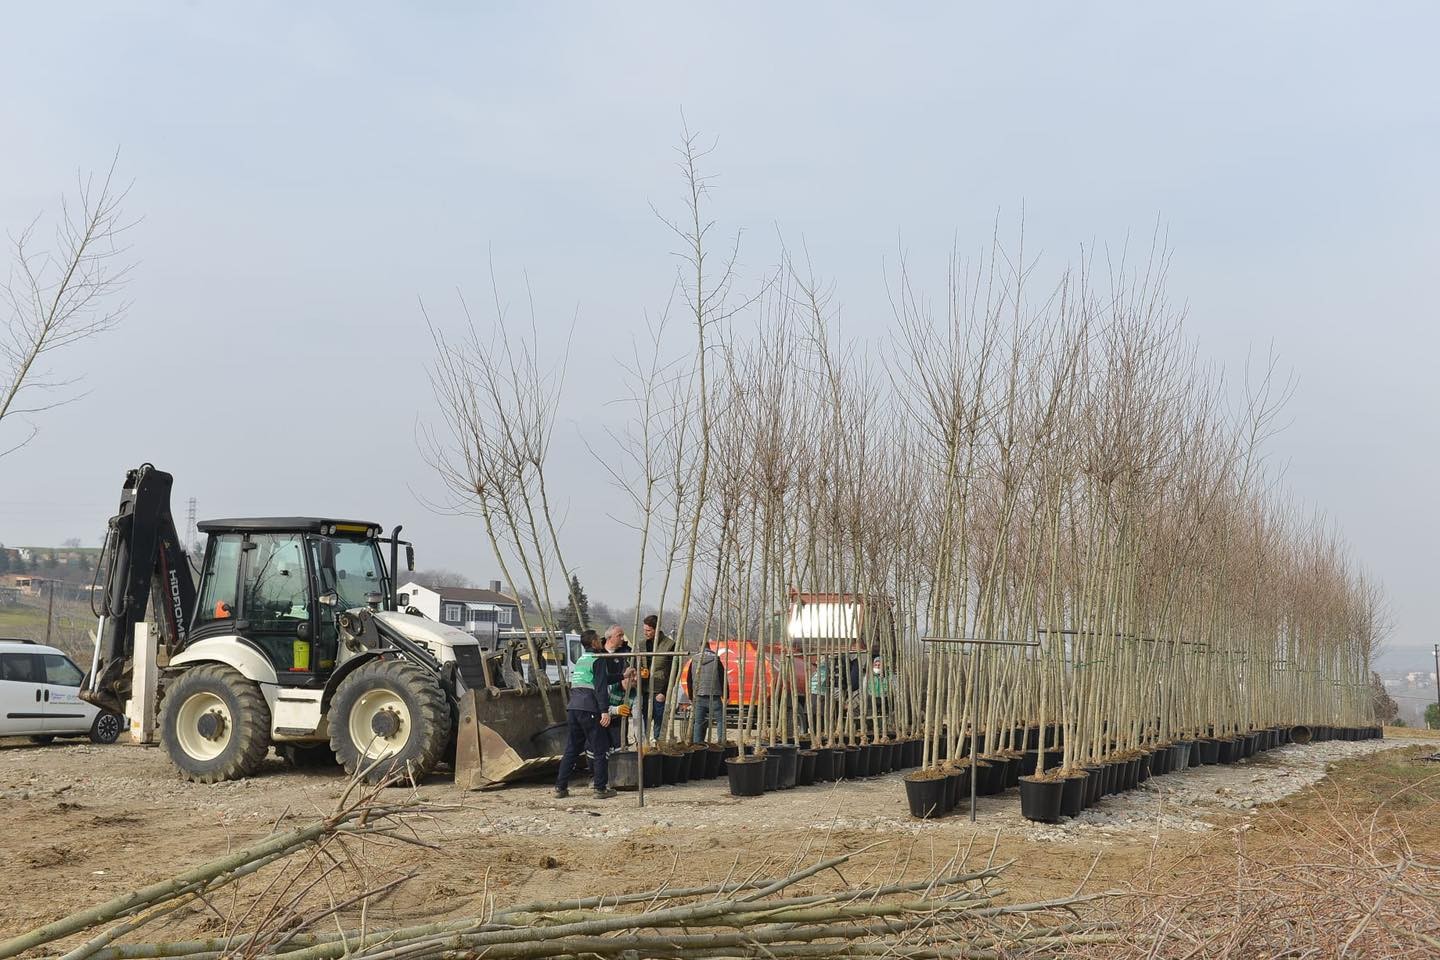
<point>469,594</point>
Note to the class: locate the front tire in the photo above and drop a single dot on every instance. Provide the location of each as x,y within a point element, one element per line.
<point>107,727</point>
<point>389,719</point>
<point>215,724</point>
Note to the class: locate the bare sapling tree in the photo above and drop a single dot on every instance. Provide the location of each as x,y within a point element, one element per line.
<point>57,295</point>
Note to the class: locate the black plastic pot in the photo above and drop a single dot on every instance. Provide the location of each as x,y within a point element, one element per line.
<point>674,767</point>
<point>1012,772</point>
<point>1132,773</point>
<point>805,768</point>
<point>950,796</point>
<point>772,771</point>
<point>787,753</point>
<point>824,765</point>
<point>625,770</point>
<point>1027,763</point>
<point>1040,800</point>
<point>926,795</point>
<point>1179,757</point>
<point>747,776</point>
<point>1093,784</point>
<point>1208,751</point>
<point>1072,795</point>
<point>854,763</point>
<point>959,788</point>
<point>992,777</point>
<point>714,762</point>
<point>1146,759</point>
<point>870,759</point>
<point>1230,750</point>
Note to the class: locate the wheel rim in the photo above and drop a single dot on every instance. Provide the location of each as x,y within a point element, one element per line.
<point>109,726</point>
<point>204,726</point>
<point>379,724</point>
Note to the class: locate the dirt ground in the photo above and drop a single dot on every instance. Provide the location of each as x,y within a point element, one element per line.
<point>81,823</point>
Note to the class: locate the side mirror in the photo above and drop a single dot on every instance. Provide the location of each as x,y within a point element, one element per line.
<point>303,632</point>
<point>410,557</point>
<point>329,598</point>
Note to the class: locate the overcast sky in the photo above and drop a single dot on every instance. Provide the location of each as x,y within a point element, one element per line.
<point>306,173</point>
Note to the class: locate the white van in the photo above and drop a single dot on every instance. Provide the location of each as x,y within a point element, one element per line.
<point>40,697</point>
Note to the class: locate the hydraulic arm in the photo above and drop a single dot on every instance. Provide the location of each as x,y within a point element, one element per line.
<point>142,558</point>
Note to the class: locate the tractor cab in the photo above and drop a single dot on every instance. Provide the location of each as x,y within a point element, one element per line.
<point>280,583</point>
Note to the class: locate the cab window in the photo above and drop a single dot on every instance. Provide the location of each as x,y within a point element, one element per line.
<point>276,592</point>
<point>218,591</point>
<point>60,671</point>
<point>351,568</point>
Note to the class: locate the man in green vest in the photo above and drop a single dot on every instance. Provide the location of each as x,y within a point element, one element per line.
<point>588,716</point>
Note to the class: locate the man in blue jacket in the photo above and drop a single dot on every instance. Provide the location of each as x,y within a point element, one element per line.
<point>588,714</point>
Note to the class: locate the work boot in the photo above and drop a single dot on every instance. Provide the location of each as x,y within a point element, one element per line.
<point>604,793</point>
<point>561,793</point>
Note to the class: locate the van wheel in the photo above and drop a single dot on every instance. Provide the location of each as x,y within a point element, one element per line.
<point>215,724</point>
<point>106,728</point>
<point>389,718</point>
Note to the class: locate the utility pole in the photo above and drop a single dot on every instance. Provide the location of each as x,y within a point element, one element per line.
<point>1437,678</point>
<point>192,535</point>
<point>50,612</point>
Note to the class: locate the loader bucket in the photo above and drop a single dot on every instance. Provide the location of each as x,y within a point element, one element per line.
<point>503,736</point>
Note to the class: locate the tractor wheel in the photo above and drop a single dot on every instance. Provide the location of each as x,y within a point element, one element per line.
<point>389,719</point>
<point>215,724</point>
<point>306,756</point>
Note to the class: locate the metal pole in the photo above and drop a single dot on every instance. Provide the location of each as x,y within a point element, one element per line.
<point>1437,679</point>
<point>974,727</point>
<point>50,613</point>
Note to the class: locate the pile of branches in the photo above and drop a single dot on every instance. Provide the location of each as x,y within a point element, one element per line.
<point>1329,884</point>
<point>956,912</point>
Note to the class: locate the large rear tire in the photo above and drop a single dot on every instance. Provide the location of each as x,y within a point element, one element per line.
<point>215,724</point>
<point>389,719</point>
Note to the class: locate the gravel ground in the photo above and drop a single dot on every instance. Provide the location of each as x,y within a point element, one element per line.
<point>79,823</point>
<point>1194,801</point>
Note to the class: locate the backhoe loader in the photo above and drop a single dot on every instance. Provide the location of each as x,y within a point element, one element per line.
<point>292,638</point>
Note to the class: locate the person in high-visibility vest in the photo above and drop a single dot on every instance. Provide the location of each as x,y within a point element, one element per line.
<point>588,716</point>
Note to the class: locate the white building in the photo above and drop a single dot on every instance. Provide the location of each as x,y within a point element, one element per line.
<point>482,613</point>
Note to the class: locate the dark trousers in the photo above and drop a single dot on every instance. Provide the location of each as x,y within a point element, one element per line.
<point>657,718</point>
<point>586,734</point>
